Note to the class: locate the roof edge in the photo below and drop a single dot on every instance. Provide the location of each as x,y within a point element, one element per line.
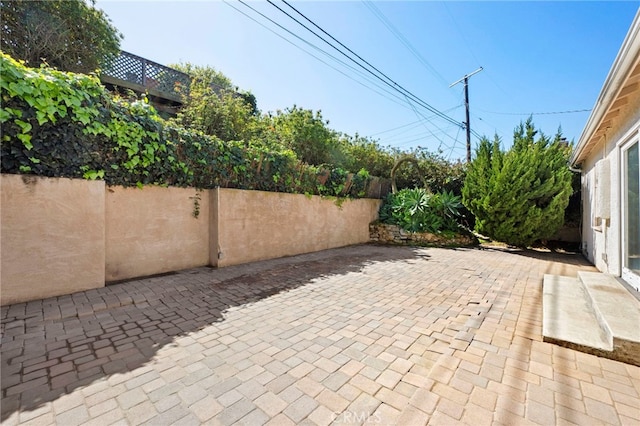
<point>621,65</point>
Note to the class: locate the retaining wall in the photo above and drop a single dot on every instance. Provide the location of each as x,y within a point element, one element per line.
<point>59,235</point>
<point>257,225</point>
<point>153,230</point>
<point>52,237</point>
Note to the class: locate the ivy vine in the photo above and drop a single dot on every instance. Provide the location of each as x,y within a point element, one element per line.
<point>63,124</point>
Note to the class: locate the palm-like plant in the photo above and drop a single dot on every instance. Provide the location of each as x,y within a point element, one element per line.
<point>417,210</point>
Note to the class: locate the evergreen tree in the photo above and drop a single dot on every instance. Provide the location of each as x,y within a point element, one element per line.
<point>71,35</point>
<point>476,191</point>
<point>519,196</point>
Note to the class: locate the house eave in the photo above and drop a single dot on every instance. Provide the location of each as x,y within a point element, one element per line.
<point>626,65</point>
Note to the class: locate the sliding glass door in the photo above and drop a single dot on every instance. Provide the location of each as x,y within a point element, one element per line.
<point>631,212</point>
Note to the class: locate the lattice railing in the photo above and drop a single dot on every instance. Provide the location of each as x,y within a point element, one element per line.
<point>151,75</point>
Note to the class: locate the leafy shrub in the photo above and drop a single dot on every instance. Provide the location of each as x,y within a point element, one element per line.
<point>212,105</point>
<point>439,173</point>
<point>71,35</point>
<point>416,210</point>
<point>305,132</point>
<point>334,182</point>
<point>67,125</point>
<point>358,152</point>
<point>519,196</point>
<point>358,183</point>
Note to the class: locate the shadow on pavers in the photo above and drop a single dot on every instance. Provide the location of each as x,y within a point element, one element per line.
<point>561,260</point>
<point>115,329</point>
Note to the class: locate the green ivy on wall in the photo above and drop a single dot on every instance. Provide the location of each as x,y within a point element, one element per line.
<point>62,124</point>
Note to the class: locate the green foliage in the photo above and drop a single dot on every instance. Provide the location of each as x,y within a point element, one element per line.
<point>439,173</point>
<point>337,182</point>
<point>480,179</point>
<point>417,210</point>
<point>519,196</point>
<point>70,35</point>
<point>359,152</point>
<point>307,134</point>
<point>57,124</point>
<point>250,99</point>
<point>205,77</point>
<point>448,207</point>
<point>196,204</point>
<point>358,184</point>
<point>67,125</point>
<point>573,213</point>
<point>213,106</point>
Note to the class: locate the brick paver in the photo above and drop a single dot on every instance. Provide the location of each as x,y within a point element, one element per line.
<point>359,335</point>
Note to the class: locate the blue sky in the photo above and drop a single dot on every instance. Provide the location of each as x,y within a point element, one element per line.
<point>538,57</point>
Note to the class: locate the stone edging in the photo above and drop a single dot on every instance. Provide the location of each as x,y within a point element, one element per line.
<point>383,233</point>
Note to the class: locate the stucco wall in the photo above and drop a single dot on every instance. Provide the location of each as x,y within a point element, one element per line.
<point>601,238</point>
<point>152,230</point>
<point>256,225</point>
<point>60,236</point>
<point>51,237</point>
<point>602,243</point>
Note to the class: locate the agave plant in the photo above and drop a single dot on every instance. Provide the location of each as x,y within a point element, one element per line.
<point>447,206</point>
<point>417,210</point>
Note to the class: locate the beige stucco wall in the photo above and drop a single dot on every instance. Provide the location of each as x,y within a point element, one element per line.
<point>152,230</point>
<point>51,237</point>
<point>256,225</point>
<point>60,236</point>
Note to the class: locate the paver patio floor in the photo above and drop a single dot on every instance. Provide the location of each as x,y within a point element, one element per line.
<point>364,334</point>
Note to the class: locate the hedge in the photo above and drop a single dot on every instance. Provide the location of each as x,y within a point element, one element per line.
<point>62,124</point>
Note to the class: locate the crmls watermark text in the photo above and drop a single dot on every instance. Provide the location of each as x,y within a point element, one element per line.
<point>356,417</point>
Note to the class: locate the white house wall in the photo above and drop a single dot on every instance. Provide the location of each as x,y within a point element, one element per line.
<point>601,239</point>
<point>601,224</point>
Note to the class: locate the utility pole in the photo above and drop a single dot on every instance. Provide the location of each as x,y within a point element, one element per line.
<point>467,124</point>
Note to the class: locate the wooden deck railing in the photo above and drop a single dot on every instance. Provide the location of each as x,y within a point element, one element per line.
<point>142,75</point>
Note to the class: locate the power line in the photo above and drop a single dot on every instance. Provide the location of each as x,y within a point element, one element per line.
<point>322,51</point>
<point>422,137</point>
<point>398,35</point>
<point>453,146</point>
<point>476,134</point>
<point>411,133</point>
<point>458,132</point>
<point>466,42</point>
<point>360,73</point>
<point>399,140</point>
<point>416,133</point>
<point>488,124</point>
<point>408,104</point>
<point>386,80</point>
<point>412,125</point>
<point>429,130</point>
<point>573,111</point>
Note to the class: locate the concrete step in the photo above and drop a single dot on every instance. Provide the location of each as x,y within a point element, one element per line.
<point>593,313</point>
<point>568,317</point>
<point>617,310</point>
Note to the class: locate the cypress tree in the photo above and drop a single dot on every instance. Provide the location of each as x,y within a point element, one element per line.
<point>519,196</point>
<point>477,186</point>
